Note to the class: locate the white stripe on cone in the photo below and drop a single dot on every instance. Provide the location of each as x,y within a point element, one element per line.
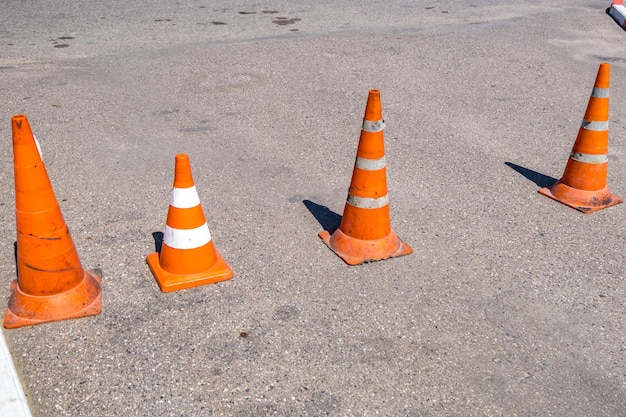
<point>589,158</point>
<point>598,92</point>
<point>368,203</point>
<point>186,238</point>
<point>370,164</point>
<point>184,197</point>
<point>595,125</point>
<point>373,127</point>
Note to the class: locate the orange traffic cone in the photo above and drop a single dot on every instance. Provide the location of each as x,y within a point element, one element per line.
<point>583,185</point>
<point>51,283</point>
<point>365,232</point>
<point>188,258</point>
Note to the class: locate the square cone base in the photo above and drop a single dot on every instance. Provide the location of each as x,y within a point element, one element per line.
<point>83,300</point>
<point>169,282</point>
<point>355,251</point>
<point>605,202</point>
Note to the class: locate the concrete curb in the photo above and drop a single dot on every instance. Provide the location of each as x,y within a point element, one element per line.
<point>12,399</point>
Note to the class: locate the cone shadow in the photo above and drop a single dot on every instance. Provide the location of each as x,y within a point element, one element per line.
<point>540,179</point>
<point>17,273</point>
<point>328,219</point>
<point>158,241</point>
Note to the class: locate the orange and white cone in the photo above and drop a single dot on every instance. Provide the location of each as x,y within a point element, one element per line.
<point>51,284</point>
<point>583,184</point>
<point>365,232</point>
<point>618,12</point>
<point>188,258</point>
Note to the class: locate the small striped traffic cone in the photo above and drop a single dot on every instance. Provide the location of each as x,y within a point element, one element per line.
<point>365,232</point>
<point>583,185</point>
<point>188,258</point>
<point>618,12</point>
<point>51,283</point>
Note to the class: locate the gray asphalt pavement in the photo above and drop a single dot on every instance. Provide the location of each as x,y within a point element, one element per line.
<point>511,304</point>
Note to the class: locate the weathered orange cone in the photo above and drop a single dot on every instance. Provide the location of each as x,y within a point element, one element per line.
<point>51,283</point>
<point>188,258</point>
<point>365,232</point>
<point>583,184</point>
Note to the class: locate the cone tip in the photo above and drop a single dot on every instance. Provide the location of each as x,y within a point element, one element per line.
<point>373,109</point>
<point>604,75</point>
<point>18,119</point>
<point>182,172</point>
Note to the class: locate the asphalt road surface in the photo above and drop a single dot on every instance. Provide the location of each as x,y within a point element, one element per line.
<point>511,304</point>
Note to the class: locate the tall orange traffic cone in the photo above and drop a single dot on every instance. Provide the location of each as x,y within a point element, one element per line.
<point>583,185</point>
<point>188,258</point>
<point>51,284</point>
<point>365,232</point>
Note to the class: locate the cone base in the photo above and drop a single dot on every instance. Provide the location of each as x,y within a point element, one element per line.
<point>83,300</point>
<point>355,251</point>
<point>581,200</point>
<point>169,282</point>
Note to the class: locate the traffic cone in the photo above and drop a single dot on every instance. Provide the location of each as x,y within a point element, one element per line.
<point>51,284</point>
<point>365,232</point>
<point>188,258</point>
<point>618,12</point>
<point>583,184</point>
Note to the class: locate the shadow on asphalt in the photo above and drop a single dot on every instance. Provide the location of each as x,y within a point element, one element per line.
<point>539,179</point>
<point>328,219</point>
<point>17,272</point>
<point>158,241</point>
